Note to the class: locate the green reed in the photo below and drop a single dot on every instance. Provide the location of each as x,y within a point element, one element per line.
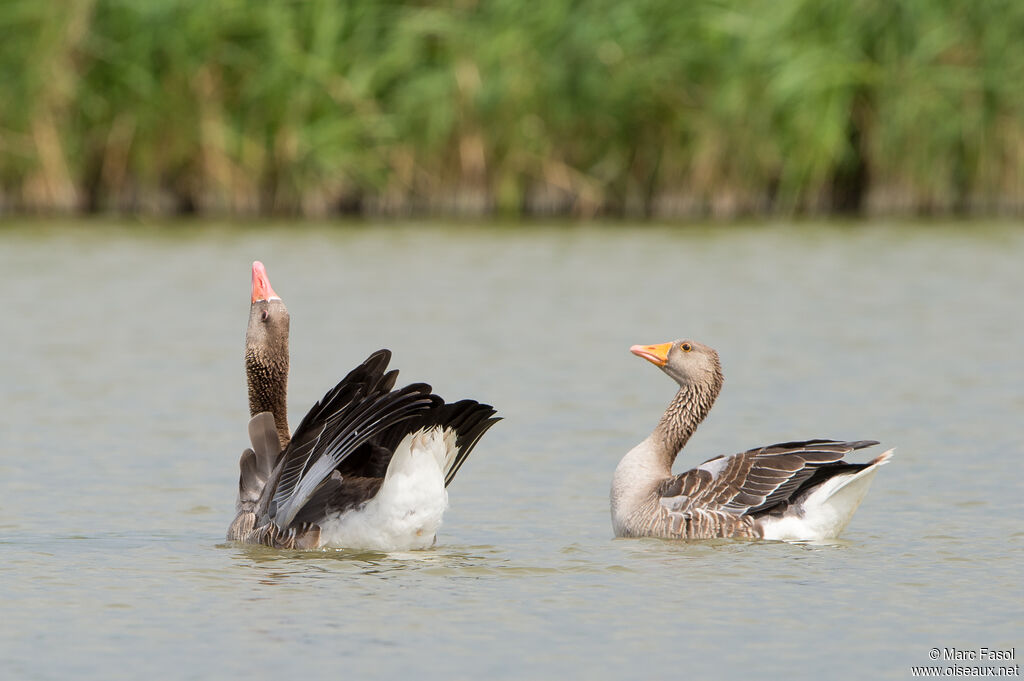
<point>644,108</point>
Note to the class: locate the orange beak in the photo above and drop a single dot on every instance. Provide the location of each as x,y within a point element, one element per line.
<point>261,289</point>
<point>655,354</point>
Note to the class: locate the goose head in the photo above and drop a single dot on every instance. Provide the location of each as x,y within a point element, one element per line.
<point>266,352</point>
<point>688,363</point>
<point>267,334</point>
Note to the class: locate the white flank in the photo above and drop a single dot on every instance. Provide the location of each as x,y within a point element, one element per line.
<point>407,511</point>
<point>827,510</point>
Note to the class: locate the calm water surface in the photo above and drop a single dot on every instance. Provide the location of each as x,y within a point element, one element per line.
<point>123,412</point>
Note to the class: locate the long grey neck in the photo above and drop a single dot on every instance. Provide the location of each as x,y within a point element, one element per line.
<point>268,390</point>
<point>645,468</point>
<point>688,408</point>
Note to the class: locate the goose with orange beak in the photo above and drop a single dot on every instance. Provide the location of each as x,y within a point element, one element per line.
<point>795,491</point>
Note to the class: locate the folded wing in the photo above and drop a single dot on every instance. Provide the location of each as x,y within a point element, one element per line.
<point>759,480</point>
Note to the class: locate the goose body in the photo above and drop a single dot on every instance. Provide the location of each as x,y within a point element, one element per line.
<point>796,491</point>
<point>406,511</point>
<point>369,465</point>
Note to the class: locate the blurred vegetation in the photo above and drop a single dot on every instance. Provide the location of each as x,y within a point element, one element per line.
<point>643,108</point>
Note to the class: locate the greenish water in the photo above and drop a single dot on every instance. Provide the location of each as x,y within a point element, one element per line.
<point>123,415</point>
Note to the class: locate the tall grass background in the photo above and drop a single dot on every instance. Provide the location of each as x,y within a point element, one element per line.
<point>645,108</point>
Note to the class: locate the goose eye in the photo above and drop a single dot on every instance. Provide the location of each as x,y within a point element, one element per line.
<point>265,315</point>
<point>685,347</point>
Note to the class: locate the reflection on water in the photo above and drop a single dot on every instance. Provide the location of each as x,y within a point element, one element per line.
<point>124,412</point>
<point>366,562</point>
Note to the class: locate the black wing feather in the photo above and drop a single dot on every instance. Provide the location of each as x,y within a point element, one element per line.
<point>341,449</point>
<point>468,418</point>
<point>343,433</point>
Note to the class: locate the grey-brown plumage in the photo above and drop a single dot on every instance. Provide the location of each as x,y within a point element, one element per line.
<point>338,457</point>
<point>787,490</point>
<point>266,362</point>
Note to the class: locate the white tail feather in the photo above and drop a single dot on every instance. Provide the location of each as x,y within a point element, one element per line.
<point>827,509</point>
<point>427,441</point>
<point>406,513</point>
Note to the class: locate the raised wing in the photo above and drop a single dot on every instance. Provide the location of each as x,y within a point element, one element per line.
<point>361,474</point>
<point>759,479</point>
<point>359,408</point>
<point>469,420</point>
<point>257,464</point>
